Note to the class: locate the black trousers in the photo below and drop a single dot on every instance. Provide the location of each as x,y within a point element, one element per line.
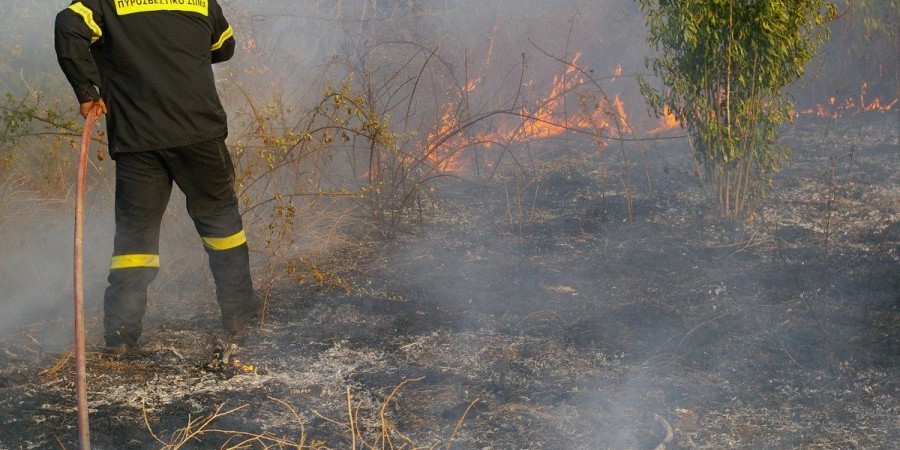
<point>205,173</point>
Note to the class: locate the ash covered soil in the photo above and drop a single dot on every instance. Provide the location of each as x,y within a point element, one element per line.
<point>534,314</point>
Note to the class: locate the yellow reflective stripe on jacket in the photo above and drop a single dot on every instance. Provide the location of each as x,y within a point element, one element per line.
<point>88,17</point>
<point>224,37</point>
<point>225,243</point>
<point>131,261</point>
<point>124,7</point>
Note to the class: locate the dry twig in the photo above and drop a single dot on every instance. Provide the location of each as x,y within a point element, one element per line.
<point>460,422</point>
<point>669,433</point>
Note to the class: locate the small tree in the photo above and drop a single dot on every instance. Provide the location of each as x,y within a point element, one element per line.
<point>724,64</point>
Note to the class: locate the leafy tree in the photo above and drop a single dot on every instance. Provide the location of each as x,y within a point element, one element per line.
<point>725,64</point>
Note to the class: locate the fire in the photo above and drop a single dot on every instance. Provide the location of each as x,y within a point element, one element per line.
<point>667,121</point>
<point>852,105</point>
<point>874,105</point>
<point>549,120</point>
<point>564,109</point>
<point>618,73</point>
<point>238,365</point>
<point>471,85</point>
<point>444,157</point>
<point>620,110</point>
<point>552,115</point>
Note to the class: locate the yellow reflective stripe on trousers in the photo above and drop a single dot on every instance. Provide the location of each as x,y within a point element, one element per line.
<point>124,7</point>
<point>225,243</point>
<point>88,17</point>
<point>131,261</point>
<point>224,37</point>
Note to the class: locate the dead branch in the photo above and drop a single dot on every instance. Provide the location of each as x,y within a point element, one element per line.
<point>460,422</point>
<point>667,429</point>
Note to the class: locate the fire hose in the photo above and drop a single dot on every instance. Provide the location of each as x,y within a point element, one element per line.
<point>84,434</point>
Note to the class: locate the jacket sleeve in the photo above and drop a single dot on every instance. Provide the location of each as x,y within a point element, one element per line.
<point>222,43</point>
<point>77,28</point>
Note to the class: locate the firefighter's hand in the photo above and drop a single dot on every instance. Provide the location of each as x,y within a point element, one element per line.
<point>87,106</point>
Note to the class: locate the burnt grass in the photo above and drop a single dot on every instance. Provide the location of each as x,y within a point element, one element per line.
<point>535,314</point>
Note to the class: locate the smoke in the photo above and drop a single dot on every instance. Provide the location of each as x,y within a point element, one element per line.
<point>36,268</point>
<point>294,46</point>
<point>416,57</point>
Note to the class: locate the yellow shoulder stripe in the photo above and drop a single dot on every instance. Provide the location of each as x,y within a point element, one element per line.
<point>88,17</point>
<point>225,243</point>
<point>224,37</point>
<point>131,261</point>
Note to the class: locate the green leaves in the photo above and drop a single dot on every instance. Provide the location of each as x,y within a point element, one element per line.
<point>724,64</point>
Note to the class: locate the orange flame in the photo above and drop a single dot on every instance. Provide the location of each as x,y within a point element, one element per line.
<point>667,121</point>
<point>552,115</point>
<point>443,154</point>
<point>618,73</point>
<point>834,109</point>
<point>446,144</point>
<point>620,110</point>
<point>549,119</point>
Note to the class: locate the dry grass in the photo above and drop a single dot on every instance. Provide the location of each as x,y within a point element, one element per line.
<point>387,436</point>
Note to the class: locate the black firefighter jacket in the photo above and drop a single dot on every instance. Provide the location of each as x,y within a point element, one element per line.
<point>152,61</point>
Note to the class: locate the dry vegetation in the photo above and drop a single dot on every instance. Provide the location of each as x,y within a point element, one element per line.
<point>563,326</point>
<point>470,240</point>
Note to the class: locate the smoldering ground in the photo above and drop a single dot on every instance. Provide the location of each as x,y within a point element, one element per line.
<point>574,330</point>
<point>553,305</point>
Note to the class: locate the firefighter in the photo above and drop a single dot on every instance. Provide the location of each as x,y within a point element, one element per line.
<point>147,65</point>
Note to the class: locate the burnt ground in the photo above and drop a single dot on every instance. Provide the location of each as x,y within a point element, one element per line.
<point>548,320</point>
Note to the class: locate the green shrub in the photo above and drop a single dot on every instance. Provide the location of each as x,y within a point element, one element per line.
<point>725,64</point>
